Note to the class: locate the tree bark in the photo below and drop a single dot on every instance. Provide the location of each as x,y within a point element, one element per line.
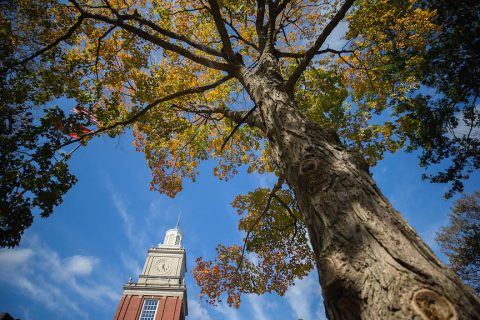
<point>371,263</point>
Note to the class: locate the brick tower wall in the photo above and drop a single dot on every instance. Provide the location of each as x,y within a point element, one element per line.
<point>169,308</point>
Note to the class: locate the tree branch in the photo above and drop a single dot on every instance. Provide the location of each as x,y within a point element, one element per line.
<point>281,6</point>
<point>259,27</point>
<point>137,115</point>
<point>290,213</point>
<point>120,22</point>
<point>270,27</point>
<point>67,35</point>
<point>236,116</point>
<point>222,30</point>
<point>275,188</point>
<point>237,126</point>
<point>195,134</point>
<point>318,43</point>
<point>238,36</point>
<point>274,9</point>
<point>99,41</point>
<point>302,54</point>
<point>197,45</point>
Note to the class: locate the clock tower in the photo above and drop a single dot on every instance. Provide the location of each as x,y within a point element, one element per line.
<point>160,293</point>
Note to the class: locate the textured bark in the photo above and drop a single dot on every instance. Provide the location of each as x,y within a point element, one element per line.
<point>371,263</point>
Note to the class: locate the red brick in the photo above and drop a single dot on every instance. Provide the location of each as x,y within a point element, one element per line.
<point>169,313</point>
<point>178,309</point>
<point>160,308</point>
<point>133,306</point>
<point>120,305</point>
<point>123,310</point>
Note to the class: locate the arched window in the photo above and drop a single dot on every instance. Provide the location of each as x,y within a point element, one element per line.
<point>177,241</point>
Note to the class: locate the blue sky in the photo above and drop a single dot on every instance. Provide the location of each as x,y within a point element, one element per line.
<point>73,264</point>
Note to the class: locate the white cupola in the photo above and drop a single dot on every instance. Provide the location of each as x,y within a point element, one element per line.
<point>173,237</point>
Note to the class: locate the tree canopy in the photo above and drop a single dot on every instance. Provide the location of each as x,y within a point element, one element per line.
<point>460,240</point>
<point>166,70</point>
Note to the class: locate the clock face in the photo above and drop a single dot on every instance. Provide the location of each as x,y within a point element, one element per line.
<point>163,266</point>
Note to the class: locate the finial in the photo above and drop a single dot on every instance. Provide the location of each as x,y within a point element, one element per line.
<point>178,220</point>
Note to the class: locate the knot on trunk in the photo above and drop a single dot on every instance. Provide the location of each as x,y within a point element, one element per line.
<point>327,271</point>
<point>309,166</point>
<point>309,173</point>
<point>432,306</point>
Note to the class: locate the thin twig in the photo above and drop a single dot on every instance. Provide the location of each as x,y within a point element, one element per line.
<point>67,35</point>
<point>237,126</point>
<point>275,188</point>
<point>291,215</point>
<point>310,53</point>
<point>99,41</point>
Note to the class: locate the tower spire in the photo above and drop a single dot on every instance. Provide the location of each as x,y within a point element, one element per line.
<point>178,219</point>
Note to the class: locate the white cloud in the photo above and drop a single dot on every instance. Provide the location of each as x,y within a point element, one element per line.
<point>44,292</point>
<point>266,180</point>
<point>14,258</point>
<point>133,255</point>
<point>80,265</point>
<point>227,312</point>
<point>196,311</point>
<point>148,222</point>
<point>259,304</point>
<point>58,283</point>
<point>136,239</point>
<point>305,298</point>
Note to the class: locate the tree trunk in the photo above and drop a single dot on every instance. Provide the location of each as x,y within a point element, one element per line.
<point>371,263</point>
